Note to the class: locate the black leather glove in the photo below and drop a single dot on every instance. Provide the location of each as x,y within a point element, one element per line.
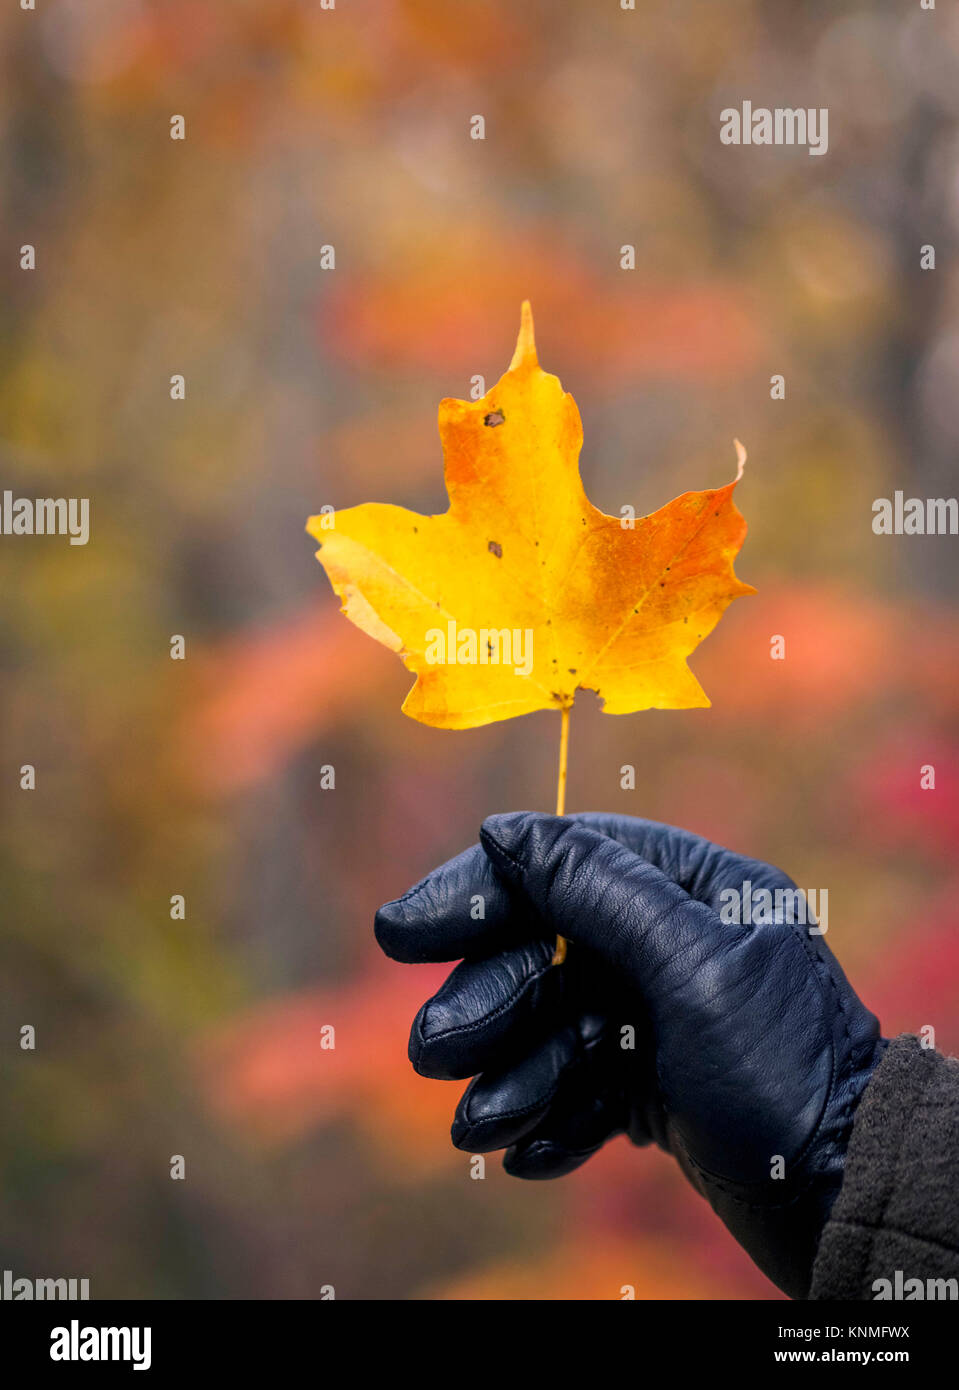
<point>739,1049</point>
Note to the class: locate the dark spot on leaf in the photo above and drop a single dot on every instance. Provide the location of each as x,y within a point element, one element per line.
<point>496,549</point>
<point>415,529</point>
<point>494,418</point>
<point>572,670</point>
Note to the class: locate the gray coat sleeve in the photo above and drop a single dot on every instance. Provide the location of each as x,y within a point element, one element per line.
<point>898,1207</point>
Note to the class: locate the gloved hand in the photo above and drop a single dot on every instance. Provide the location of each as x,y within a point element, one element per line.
<point>739,1049</point>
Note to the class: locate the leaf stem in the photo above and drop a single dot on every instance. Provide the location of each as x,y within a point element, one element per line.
<point>559,952</point>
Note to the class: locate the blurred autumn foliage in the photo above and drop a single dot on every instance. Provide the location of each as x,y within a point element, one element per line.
<point>306,387</point>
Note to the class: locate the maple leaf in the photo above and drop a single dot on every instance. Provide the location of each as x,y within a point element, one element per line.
<point>523,592</point>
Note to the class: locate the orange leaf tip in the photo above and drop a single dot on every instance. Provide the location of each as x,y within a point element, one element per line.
<point>525,354</point>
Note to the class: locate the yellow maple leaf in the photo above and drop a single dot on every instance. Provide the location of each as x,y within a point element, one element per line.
<point>523,592</point>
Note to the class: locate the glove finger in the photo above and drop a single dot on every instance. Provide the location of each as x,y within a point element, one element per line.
<point>498,1108</point>
<point>465,909</point>
<point>588,1109</point>
<point>487,1011</point>
<point>595,891</point>
<point>462,909</point>
<point>591,1105</point>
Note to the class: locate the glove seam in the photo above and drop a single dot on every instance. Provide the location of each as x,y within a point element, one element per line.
<point>726,1188</point>
<point>512,1114</point>
<point>583,1049</point>
<point>821,967</point>
<point>476,1025</point>
<point>543,1145</point>
<point>505,853</point>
